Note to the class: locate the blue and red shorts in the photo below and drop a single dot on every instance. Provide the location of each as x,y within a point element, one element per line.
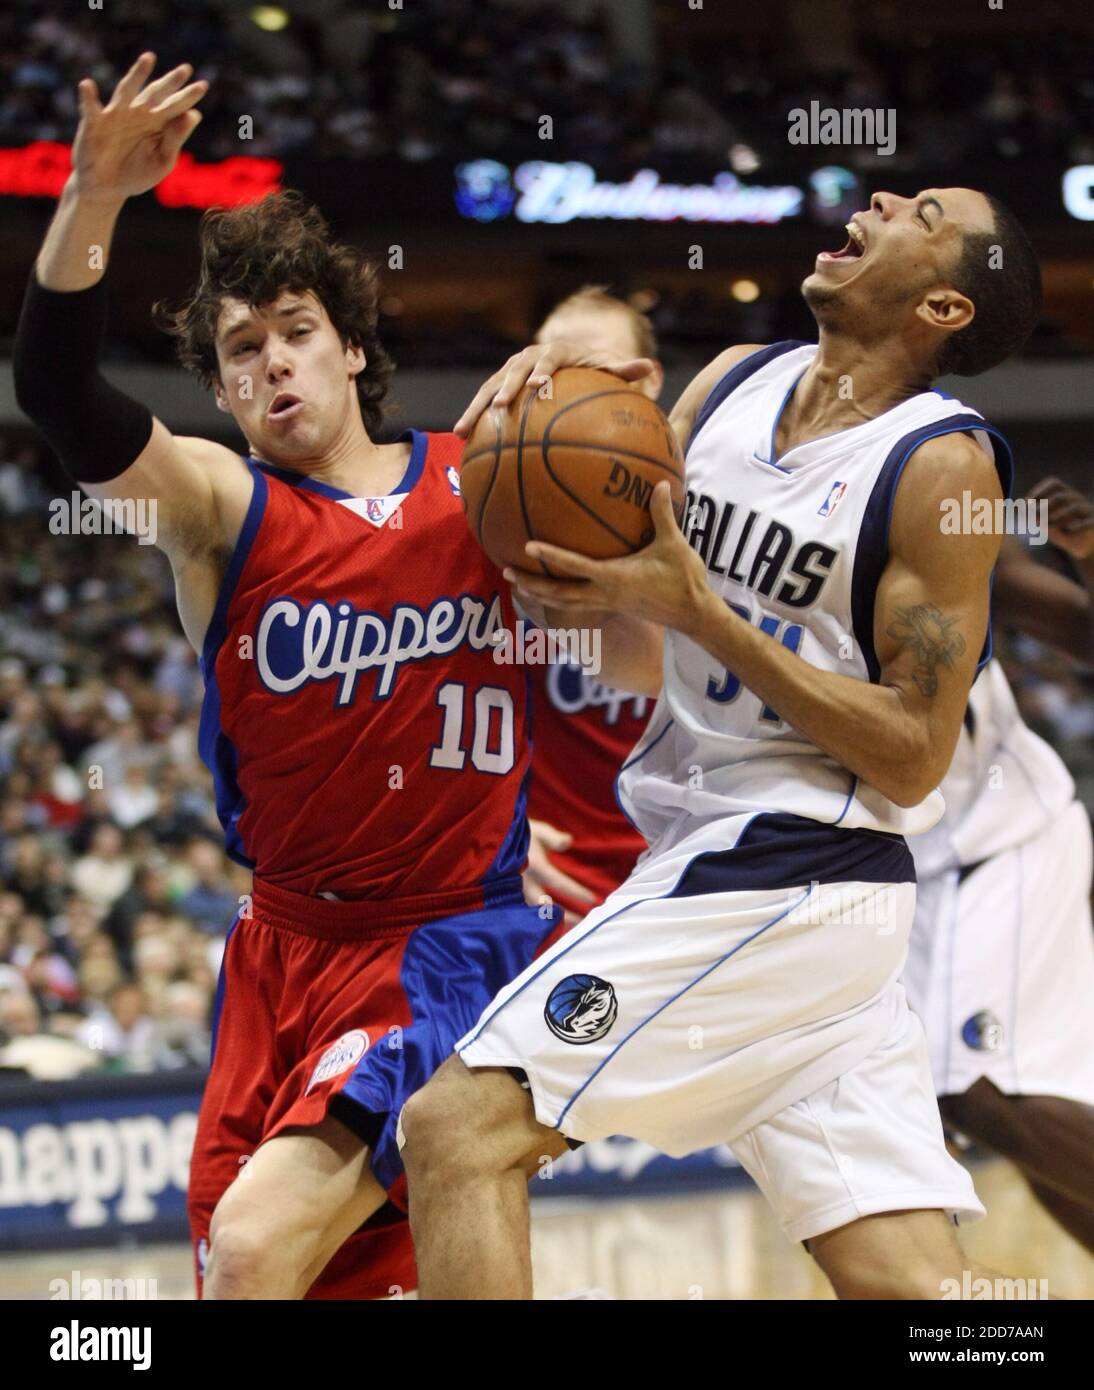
<point>347,1007</point>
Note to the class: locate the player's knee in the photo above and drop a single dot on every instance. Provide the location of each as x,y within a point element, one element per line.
<point>436,1131</point>
<point>242,1261</point>
<point>458,1124</point>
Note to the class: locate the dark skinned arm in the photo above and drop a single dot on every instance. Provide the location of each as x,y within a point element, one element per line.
<point>1037,600</point>
<point>930,618</point>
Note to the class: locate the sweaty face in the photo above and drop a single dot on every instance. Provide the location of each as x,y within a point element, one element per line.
<point>896,249</point>
<point>285,376</point>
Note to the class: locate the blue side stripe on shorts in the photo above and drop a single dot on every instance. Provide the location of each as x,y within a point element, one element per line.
<point>672,1000</point>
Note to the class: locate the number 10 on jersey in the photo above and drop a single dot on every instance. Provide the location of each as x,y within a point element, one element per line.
<point>492,743</point>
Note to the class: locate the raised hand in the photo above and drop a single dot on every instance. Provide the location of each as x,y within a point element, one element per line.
<point>127,146</point>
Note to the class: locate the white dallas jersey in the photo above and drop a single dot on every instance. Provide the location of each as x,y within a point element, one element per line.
<point>1005,785</point>
<point>797,547</point>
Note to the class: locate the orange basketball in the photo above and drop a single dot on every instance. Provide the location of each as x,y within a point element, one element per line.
<point>574,464</point>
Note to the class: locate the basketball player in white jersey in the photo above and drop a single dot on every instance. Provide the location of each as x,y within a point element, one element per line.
<point>1001,956</point>
<point>821,636</point>
<point>1001,959</point>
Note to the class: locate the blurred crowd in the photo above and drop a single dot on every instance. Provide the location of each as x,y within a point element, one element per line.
<point>444,77</point>
<point>115,893</point>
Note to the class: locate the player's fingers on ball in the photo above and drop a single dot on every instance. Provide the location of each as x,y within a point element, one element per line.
<point>661,509</point>
<point>555,593</point>
<point>516,377</point>
<point>634,369</point>
<point>546,361</point>
<point>565,561</point>
<point>479,402</point>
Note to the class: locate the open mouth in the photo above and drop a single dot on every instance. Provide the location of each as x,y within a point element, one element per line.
<point>853,251</point>
<point>283,405</point>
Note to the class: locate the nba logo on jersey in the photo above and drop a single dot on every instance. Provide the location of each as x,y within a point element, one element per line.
<point>832,501</point>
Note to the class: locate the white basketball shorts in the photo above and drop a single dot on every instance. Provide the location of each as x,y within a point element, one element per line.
<point>1001,967</point>
<point>742,987</point>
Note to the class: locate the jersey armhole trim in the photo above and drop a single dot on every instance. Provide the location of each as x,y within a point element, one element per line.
<point>872,553</point>
<point>738,373</point>
<point>217,630</point>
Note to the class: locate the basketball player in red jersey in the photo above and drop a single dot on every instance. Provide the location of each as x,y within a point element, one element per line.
<point>582,845</point>
<point>369,754</point>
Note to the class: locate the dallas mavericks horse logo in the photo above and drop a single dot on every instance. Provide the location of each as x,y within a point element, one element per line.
<point>581,1009</point>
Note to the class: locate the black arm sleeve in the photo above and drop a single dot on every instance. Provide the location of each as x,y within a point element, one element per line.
<point>95,430</point>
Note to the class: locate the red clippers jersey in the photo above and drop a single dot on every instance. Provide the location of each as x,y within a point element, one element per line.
<point>583,733</point>
<point>363,740</point>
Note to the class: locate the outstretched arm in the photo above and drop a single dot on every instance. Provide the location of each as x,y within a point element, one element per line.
<point>106,441</point>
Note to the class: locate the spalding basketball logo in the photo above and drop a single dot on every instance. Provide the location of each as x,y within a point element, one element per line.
<point>581,1009</point>
<point>339,1057</point>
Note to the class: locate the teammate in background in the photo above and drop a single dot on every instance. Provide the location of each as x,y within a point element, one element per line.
<point>1001,957</point>
<point>822,636</point>
<point>369,754</point>
<point>582,845</point>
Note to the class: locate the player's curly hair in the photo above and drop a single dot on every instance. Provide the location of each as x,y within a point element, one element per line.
<point>256,252</point>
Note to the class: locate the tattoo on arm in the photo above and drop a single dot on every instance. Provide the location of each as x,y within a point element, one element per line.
<point>929,635</point>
